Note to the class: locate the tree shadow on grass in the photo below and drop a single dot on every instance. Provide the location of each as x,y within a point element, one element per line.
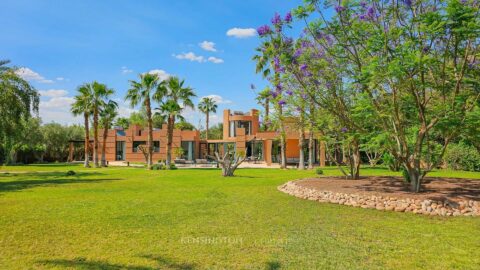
<point>82,263</point>
<point>46,179</point>
<point>169,263</point>
<point>273,265</point>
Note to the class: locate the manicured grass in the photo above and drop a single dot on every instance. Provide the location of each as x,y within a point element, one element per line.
<point>130,218</point>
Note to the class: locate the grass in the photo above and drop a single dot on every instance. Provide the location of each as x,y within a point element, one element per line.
<point>131,218</point>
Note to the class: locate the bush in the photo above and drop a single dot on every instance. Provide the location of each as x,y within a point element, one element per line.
<point>462,157</point>
<point>173,167</point>
<point>70,173</point>
<point>319,171</point>
<point>390,161</point>
<point>159,166</point>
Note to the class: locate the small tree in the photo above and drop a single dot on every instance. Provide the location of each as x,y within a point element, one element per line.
<point>230,161</point>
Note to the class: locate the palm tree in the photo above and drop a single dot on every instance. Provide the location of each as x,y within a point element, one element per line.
<point>265,64</point>
<point>143,91</point>
<point>207,105</point>
<point>100,92</point>
<point>108,113</point>
<point>263,99</point>
<point>177,98</point>
<point>82,106</point>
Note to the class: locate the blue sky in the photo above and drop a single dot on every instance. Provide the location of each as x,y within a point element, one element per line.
<point>62,44</point>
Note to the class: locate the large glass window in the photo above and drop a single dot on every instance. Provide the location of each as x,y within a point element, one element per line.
<point>233,125</point>
<point>136,144</point>
<point>255,150</point>
<point>188,148</point>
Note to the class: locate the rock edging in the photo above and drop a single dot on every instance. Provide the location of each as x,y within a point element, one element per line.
<point>425,207</point>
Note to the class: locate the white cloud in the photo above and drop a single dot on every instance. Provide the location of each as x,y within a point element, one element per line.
<point>53,93</point>
<point>57,103</point>
<point>60,79</point>
<point>208,46</point>
<point>241,32</point>
<point>215,60</point>
<point>162,74</point>
<point>125,70</point>
<point>31,75</point>
<point>124,111</point>
<point>218,99</point>
<point>190,56</point>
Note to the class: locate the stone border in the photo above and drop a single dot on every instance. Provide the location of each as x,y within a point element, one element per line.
<point>425,207</point>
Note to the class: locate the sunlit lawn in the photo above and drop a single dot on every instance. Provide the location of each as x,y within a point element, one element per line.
<point>130,218</point>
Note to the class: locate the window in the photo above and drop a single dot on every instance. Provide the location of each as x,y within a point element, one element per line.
<point>188,148</point>
<point>156,146</point>
<point>233,125</point>
<point>231,132</point>
<point>139,132</point>
<point>136,144</point>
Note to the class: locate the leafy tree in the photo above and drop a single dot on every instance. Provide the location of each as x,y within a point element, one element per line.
<point>177,97</point>
<point>207,105</point>
<point>216,132</point>
<point>18,100</point>
<point>142,92</point>
<point>122,122</point>
<point>56,138</point>
<point>138,118</point>
<point>184,125</point>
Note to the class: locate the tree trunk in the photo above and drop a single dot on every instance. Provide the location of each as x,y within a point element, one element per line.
<point>267,113</point>
<point>86,164</point>
<point>311,140</point>
<point>283,142</point>
<point>415,178</point>
<point>206,136</point>
<point>355,160</point>
<point>311,149</point>
<point>150,133</point>
<point>301,140</point>
<point>95,138</point>
<point>169,140</point>
<point>104,145</point>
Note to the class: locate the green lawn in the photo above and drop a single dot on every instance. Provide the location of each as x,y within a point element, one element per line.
<point>130,218</point>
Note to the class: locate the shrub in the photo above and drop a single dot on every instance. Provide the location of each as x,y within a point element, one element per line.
<point>319,171</point>
<point>70,173</point>
<point>462,157</point>
<point>390,161</point>
<point>159,166</point>
<point>173,167</point>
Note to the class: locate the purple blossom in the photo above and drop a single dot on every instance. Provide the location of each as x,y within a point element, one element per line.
<point>362,17</point>
<point>339,9</point>
<point>425,49</point>
<point>282,102</point>
<point>306,44</point>
<point>273,94</point>
<point>408,2</point>
<point>363,4</point>
<point>299,109</point>
<point>298,53</point>
<point>288,17</point>
<point>303,67</point>
<point>371,12</point>
<point>289,92</point>
<point>276,20</point>
<point>264,30</point>
<point>279,88</point>
<point>344,129</point>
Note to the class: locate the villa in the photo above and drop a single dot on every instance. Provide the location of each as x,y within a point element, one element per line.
<point>241,131</point>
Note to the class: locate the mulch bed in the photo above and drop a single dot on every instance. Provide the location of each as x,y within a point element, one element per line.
<point>452,189</point>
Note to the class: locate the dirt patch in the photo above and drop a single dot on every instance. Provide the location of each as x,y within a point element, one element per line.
<point>439,189</point>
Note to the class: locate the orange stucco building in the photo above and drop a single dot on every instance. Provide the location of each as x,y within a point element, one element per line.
<point>241,131</point>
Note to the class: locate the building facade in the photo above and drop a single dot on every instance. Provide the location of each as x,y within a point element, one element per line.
<point>241,133</point>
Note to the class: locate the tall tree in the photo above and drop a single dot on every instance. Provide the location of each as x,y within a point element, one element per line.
<point>263,99</point>
<point>82,106</point>
<point>207,105</point>
<point>142,92</point>
<point>98,100</point>
<point>18,100</point>
<point>177,97</point>
<point>107,115</point>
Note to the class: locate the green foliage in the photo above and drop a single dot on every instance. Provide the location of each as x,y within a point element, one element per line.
<point>122,122</point>
<point>462,157</point>
<point>184,125</point>
<point>319,171</point>
<point>391,162</point>
<point>70,173</point>
<point>214,133</point>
